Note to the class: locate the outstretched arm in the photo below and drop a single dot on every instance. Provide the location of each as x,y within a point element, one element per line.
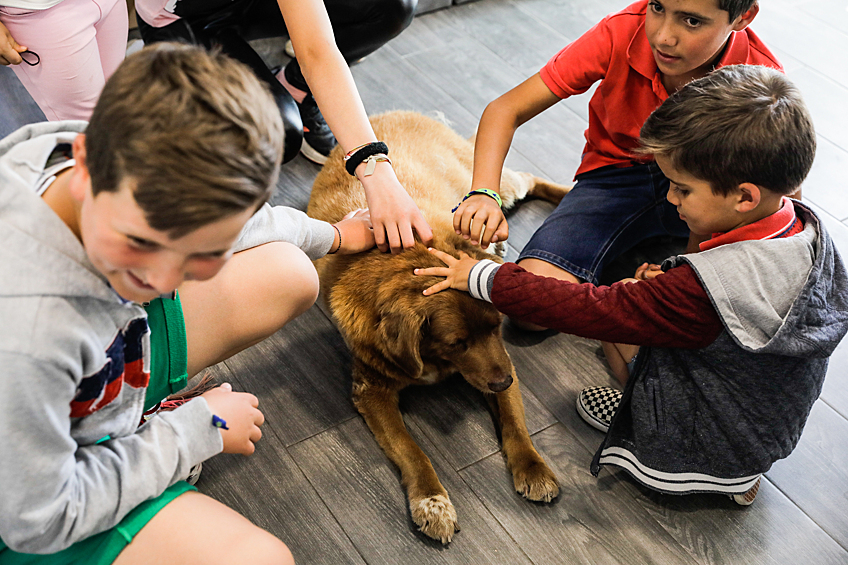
<point>394,215</point>
<point>494,137</point>
<point>672,310</point>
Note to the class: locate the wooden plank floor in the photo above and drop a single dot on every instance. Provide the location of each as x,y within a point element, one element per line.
<point>320,482</point>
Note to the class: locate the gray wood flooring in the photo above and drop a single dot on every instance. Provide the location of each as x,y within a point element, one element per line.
<point>318,479</point>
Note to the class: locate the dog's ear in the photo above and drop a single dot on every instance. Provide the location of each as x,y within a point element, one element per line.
<point>401,331</point>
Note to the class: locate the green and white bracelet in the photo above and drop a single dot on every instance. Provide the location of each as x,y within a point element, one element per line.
<point>486,191</point>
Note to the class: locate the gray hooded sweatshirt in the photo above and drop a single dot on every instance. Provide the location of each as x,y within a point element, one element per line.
<point>65,333</point>
<point>714,419</point>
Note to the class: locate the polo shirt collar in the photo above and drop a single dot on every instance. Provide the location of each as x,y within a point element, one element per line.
<point>639,54</point>
<point>770,227</point>
<point>736,50</point>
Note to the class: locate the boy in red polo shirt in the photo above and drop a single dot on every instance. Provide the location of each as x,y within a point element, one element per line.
<point>735,340</point>
<point>640,55</point>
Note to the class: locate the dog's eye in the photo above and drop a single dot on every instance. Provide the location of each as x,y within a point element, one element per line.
<point>460,344</point>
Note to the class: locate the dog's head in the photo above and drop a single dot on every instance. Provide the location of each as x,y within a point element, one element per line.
<point>414,335</point>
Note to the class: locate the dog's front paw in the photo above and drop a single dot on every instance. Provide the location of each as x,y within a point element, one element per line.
<point>435,516</point>
<point>536,481</point>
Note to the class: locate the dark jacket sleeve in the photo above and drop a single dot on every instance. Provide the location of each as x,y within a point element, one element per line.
<point>672,310</point>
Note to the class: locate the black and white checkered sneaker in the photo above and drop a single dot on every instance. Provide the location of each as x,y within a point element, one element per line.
<point>597,404</point>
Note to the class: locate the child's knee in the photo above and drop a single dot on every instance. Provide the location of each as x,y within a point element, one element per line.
<point>293,277</point>
<point>546,269</point>
<point>262,548</point>
<point>253,545</point>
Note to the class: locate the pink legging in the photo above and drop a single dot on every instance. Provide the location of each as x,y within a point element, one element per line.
<point>80,43</point>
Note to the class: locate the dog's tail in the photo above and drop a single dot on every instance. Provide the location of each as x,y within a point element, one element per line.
<point>547,190</point>
<point>517,186</point>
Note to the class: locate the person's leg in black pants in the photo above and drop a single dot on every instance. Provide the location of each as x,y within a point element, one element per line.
<point>231,43</point>
<point>360,28</point>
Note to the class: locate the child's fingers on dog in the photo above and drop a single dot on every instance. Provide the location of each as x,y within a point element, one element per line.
<point>423,229</point>
<point>478,229</point>
<point>407,238</point>
<point>502,233</point>
<point>496,230</point>
<point>393,236</point>
<point>380,236</point>
<point>466,220</point>
<point>457,218</point>
<point>445,258</point>
<point>438,287</point>
<point>433,272</point>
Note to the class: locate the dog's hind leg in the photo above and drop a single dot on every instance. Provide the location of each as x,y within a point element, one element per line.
<point>429,504</point>
<point>531,476</point>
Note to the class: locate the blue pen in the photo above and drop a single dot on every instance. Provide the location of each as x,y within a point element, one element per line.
<point>219,422</point>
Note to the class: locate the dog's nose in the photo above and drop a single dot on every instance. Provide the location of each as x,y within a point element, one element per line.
<point>500,386</point>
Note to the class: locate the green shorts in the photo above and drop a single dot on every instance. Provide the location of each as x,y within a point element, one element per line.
<point>168,350</point>
<point>167,375</point>
<point>104,547</point>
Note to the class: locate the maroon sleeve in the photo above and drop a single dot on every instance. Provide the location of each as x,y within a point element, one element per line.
<point>672,310</point>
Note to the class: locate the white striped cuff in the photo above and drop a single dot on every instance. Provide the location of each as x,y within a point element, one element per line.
<point>481,278</point>
<point>674,483</point>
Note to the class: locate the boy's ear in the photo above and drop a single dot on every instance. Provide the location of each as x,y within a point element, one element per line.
<point>746,18</point>
<point>81,180</point>
<point>749,197</point>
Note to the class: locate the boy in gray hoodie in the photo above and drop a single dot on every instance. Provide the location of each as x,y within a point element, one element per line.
<point>733,342</point>
<point>138,250</point>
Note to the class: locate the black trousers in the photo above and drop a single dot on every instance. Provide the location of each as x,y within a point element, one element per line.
<point>360,28</point>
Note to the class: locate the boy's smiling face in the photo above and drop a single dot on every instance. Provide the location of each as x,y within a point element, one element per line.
<point>686,36</point>
<point>140,262</point>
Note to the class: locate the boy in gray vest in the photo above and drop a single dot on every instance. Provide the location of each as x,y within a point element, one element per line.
<point>730,345</point>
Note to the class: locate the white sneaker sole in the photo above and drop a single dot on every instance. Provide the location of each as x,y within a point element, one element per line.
<point>314,156</point>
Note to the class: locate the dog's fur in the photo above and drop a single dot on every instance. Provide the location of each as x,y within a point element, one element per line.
<point>399,337</point>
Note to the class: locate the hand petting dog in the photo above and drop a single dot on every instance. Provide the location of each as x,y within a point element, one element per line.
<point>354,233</point>
<point>457,271</point>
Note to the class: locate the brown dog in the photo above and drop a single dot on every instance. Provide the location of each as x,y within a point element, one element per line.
<point>399,337</point>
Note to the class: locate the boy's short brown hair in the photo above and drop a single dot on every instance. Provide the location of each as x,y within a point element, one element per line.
<point>736,8</point>
<point>740,123</point>
<point>195,133</point>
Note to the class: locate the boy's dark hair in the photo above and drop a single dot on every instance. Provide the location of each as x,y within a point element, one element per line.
<point>740,123</point>
<point>736,8</point>
<point>194,134</point>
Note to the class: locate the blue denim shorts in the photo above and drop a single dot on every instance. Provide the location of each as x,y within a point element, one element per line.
<point>608,212</point>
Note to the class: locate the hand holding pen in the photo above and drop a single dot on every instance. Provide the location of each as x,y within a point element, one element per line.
<point>237,416</point>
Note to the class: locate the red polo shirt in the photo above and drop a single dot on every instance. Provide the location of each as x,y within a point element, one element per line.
<point>783,223</point>
<point>616,52</point>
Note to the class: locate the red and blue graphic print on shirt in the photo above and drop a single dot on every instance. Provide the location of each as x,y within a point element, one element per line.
<point>124,364</point>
